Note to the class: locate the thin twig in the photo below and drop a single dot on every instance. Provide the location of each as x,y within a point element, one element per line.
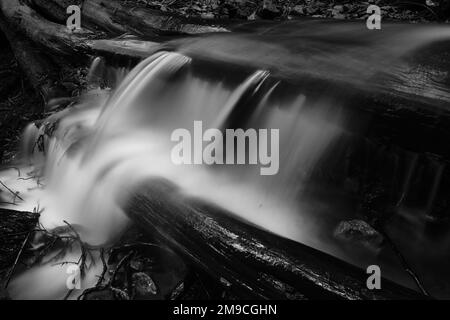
<point>105,268</point>
<point>11,271</point>
<point>109,285</point>
<point>16,194</point>
<point>69,292</point>
<point>202,284</point>
<point>119,266</point>
<point>8,203</point>
<point>405,264</point>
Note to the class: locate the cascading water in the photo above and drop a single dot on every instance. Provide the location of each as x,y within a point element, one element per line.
<point>110,141</point>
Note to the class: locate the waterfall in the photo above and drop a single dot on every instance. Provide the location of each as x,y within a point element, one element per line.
<point>84,160</point>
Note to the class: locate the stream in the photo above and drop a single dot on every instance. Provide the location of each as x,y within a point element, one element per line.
<point>341,157</point>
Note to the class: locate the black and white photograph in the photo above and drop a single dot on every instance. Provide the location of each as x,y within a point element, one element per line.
<point>221,158</point>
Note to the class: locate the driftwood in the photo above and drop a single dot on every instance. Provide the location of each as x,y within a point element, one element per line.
<point>253,263</point>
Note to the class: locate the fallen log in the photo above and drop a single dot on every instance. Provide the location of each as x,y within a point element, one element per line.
<point>121,17</point>
<point>28,33</point>
<point>43,22</point>
<point>39,69</point>
<point>46,33</point>
<point>253,263</point>
<point>118,17</point>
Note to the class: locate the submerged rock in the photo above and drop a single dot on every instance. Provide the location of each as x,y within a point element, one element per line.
<point>359,232</point>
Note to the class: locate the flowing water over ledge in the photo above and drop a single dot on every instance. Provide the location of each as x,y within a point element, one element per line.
<point>338,160</point>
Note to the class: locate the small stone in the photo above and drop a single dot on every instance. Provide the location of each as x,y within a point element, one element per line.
<point>298,9</point>
<point>269,10</point>
<point>143,285</point>
<point>312,10</point>
<point>338,12</point>
<point>252,17</point>
<point>120,294</point>
<point>338,9</point>
<point>339,16</point>
<point>137,264</point>
<point>207,16</point>
<point>359,232</point>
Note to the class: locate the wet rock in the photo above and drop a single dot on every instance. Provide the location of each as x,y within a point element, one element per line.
<point>252,17</point>
<point>105,294</point>
<point>359,232</point>
<point>338,12</point>
<point>137,264</point>
<point>269,10</point>
<point>338,9</point>
<point>312,10</point>
<point>432,3</point>
<point>120,294</point>
<point>207,16</point>
<point>143,285</point>
<point>298,10</point>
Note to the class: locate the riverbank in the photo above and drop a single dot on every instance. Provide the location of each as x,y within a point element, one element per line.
<point>411,11</point>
